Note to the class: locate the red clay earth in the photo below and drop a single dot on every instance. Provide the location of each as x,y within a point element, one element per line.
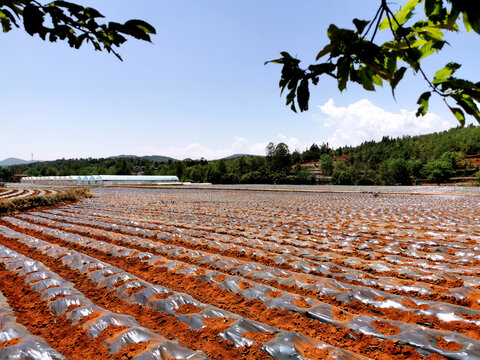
<point>449,345</point>
<point>385,328</point>
<point>11,342</point>
<point>349,233</point>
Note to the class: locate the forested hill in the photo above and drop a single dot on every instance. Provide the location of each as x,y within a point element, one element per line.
<point>464,140</point>
<point>439,157</point>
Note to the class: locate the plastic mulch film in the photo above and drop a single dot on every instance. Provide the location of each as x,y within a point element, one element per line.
<point>51,285</point>
<point>325,286</point>
<point>17,342</point>
<point>322,285</point>
<point>317,251</point>
<point>297,263</point>
<point>288,345</point>
<point>169,306</point>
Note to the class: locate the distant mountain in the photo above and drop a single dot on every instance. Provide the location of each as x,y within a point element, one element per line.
<point>158,158</point>
<point>14,161</point>
<point>234,156</point>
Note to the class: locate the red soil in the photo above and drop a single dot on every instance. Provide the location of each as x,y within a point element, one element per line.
<point>11,342</point>
<point>448,345</point>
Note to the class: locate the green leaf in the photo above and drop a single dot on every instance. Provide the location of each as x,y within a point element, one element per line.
<point>472,16</point>
<point>360,25</point>
<point>423,102</point>
<point>467,103</point>
<point>402,16</point>
<point>433,8</point>
<point>141,25</point>
<point>343,72</point>
<point>326,50</point>
<point>33,20</point>
<point>366,79</point>
<point>459,115</point>
<point>303,95</point>
<point>319,69</point>
<point>73,8</point>
<point>396,79</point>
<point>403,45</point>
<point>391,63</point>
<point>433,32</point>
<point>407,11</point>
<point>442,75</point>
<point>426,50</point>
<point>467,24</point>
<point>377,80</point>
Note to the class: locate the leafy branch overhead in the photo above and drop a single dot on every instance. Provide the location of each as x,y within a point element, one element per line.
<point>62,20</point>
<point>354,56</point>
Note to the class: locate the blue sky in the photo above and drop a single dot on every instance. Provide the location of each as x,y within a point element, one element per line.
<point>201,88</point>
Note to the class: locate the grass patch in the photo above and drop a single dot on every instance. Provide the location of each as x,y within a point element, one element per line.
<point>9,206</point>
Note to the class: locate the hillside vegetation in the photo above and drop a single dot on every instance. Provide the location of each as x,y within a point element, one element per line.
<point>436,158</point>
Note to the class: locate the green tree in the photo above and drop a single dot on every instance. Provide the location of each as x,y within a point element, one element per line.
<point>369,177</point>
<point>356,56</point>
<point>212,174</point>
<point>270,149</point>
<point>343,177</point>
<point>73,23</point>
<point>395,171</point>
<point>281,158</point>
<point>180,169</point>
<point>296,157</point>
<point>147,170</point>
<point>123,167</point>
<point>5,174</point>
<point>438,171</point>
<point>49,171</point>
<point>326,164</point>
<point>451,157</point>
<point>415,167</point>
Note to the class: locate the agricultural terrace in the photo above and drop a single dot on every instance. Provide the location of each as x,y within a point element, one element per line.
<point>224,274</point>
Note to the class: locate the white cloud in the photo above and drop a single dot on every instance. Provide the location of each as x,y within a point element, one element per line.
<point>363,121</point>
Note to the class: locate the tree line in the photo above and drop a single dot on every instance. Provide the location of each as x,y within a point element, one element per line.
<point>436,158</point>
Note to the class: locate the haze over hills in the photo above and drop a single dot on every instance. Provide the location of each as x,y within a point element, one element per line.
<point>234,156</point>
<point>158,158</point>
<point>15,161</point>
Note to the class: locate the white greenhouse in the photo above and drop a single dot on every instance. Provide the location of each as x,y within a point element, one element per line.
<point>50,180</point>
<point>101,180</point>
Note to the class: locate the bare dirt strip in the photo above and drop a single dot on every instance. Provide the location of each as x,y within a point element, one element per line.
<point>252,275</point>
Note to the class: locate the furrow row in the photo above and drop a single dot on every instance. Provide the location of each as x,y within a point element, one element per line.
<point>70,312</point>
<point>433,314</point>
<point>421,338</point>
<point>393,264</point>
<point>16,342</point>
<point>202,320</point>
<point>316,270</point>
<point>405,251</point>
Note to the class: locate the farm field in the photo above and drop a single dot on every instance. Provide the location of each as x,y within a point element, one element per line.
<point>224,274</point>
<point>22,192</point>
